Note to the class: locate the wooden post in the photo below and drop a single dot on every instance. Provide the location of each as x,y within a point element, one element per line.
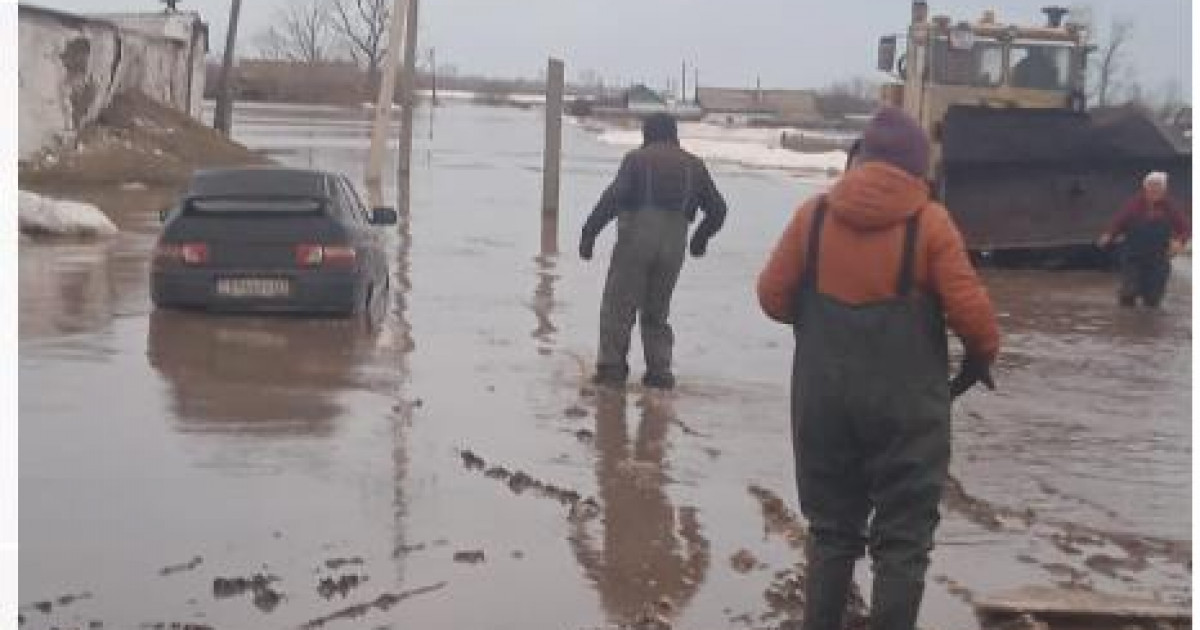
<point>223,114</point>
<point>409,103</point>
<point>552,157</point>
<point>383,109</point>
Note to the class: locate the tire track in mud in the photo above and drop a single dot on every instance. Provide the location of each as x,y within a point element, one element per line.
<point>383,603</point>
<point>1091,544</point>
<point>518,481</point>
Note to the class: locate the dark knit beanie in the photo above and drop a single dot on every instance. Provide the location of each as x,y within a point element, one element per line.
<point>893,137</point>
<point>659,128</point>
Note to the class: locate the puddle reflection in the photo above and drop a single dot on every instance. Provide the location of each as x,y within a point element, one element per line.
<point>256,375</point>
<point>543,300</point>
<point>648,552</point>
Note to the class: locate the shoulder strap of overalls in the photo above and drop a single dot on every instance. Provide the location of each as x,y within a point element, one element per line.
<point>904,283</point>
<point>812,255</point>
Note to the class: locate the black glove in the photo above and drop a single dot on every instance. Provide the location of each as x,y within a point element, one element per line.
<point>972,371</point>
<point>699,245</point>
<point>586,244</point>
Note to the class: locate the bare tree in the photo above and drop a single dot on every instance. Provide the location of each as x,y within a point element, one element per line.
<point>302,31</point>
<point>1169,99</point>
<point>1112,59</point>
<point>362,26</point>
<point>856,95</point>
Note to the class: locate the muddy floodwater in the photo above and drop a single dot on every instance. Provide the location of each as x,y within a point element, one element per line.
<point>454,470</point>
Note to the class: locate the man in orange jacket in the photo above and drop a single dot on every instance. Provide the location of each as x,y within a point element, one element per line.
<point>869,275</point>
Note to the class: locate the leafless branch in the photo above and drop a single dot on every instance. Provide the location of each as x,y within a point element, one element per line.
<point>1111,59</point>
<point>302,32</point>
<point>362,25</point>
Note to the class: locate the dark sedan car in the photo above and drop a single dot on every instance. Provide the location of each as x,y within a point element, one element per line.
<point>272,239</point>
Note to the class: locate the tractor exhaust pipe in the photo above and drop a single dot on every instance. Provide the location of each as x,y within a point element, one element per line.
<point>920,12</point>
<point>1054,16</point>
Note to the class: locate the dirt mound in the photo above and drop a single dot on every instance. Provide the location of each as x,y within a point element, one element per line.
<point>137,139</point>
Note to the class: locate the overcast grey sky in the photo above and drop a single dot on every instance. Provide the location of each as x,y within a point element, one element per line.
<point>789,43</point>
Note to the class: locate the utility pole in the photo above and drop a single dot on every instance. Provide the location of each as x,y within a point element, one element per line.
<point>223,115</point>
<point>433,75</point>
<point>552,157</point>
<point>433,99</point>
<point>683,83</point>
<point>696,82</point>
<point>409,103</point>
<point>383,108</point>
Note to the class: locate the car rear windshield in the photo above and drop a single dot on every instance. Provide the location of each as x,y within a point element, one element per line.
<point>254,205</point>
<point>258,182</point>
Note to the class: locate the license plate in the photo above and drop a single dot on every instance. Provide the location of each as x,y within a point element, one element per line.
<point>254,287</point>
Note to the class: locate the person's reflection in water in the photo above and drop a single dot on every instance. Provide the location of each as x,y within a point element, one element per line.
<point>543,301</point>
<point>260,376</point>
<point>650,552</point>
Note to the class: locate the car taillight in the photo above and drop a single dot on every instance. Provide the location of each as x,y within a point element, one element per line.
<point>194,253</point>
<point>308,255</point>
<point>186,253</point>
<point>340,256</point>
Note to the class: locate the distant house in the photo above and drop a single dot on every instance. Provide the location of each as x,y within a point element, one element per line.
<point>758,106</point>
<point>640,99</point>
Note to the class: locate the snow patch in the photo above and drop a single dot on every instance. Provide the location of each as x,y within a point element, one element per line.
<point>58,217</point>
<point>756,148</point>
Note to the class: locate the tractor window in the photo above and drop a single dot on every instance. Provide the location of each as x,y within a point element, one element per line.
<point>982,65</point>
<point>989,64</point>
<point>1040,67</point>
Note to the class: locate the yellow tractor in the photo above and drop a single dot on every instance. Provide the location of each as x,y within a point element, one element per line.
<point>1027,170</point>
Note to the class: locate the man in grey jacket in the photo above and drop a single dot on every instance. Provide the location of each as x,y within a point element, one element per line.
<point>654,197</point>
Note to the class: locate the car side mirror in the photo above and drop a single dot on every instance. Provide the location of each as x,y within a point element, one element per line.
<point>887,53</point>
<point>384,216</point>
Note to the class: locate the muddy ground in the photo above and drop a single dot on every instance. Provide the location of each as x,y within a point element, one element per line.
<point>455,469</point>
<point>135,144</point>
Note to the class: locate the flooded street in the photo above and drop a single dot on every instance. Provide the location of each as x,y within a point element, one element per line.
<point>455,470</point>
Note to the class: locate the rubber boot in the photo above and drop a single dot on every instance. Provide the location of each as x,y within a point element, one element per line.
<point>827,592</point>
<point>895,603</point>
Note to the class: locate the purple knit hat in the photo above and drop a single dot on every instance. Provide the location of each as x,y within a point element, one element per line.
<point>895,138</point>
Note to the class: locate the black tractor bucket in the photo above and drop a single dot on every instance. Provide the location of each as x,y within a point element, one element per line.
<point>1031,181</point>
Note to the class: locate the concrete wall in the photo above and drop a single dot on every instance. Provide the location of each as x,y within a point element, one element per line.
<point>191,32</point>
<point>71,66</point>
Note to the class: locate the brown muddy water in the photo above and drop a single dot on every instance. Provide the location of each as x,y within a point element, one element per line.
<point>453,470</point>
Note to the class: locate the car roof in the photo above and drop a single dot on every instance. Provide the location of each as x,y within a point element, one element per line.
<point>261,181</point>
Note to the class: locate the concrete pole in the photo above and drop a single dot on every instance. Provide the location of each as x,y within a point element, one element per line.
<point>433,78</point>
<point>683,83</point>
<point>223,115</point>
<point>409,102</point>
<point>552,157</point>
<point>383,108</point>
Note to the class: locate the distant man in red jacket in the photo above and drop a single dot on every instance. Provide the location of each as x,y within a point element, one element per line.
<point>1154,230</point>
